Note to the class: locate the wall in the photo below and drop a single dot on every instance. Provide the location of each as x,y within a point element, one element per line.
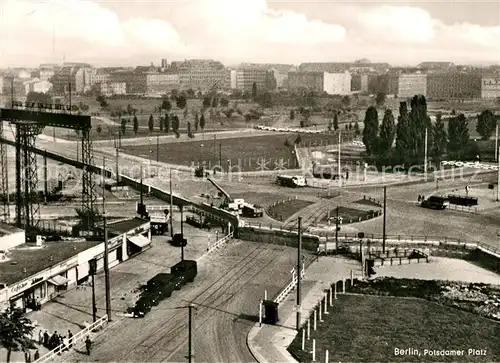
<point>12,240</point>
<point>290,239</point>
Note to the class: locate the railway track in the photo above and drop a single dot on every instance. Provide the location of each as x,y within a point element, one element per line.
<point>172,335</point>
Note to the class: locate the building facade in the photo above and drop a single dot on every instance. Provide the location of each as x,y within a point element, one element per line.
<point>113,88</point>
<point>331,83</point>
<point>410,85</point>
<point>246,77</point>
<point>162,83</point>
<point>337,83</point>
<point>201,74</point>
<point>37,85</point>
<point>446,86</point>
<point>490,87</point>
<point>136,82</point>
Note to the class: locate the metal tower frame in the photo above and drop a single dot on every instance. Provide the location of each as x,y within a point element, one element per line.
<point>4,171</point>
<point>30,121</point>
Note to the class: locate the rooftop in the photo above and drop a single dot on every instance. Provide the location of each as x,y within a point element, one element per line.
<point>127,225</point>
<point>35,259</point>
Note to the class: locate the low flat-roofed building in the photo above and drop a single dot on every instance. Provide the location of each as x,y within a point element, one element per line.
<point>10,236</point>
<point>36,274</point>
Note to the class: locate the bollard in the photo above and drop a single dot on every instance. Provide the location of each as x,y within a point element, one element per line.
<point>314,351</point>
<point>319,309</point>
<point>331,296</point>
<point>352,278</point>
<point>303,339</point>
<point>260,313</point>
<point>314,325</point>
<point>335,291</point>
<point>265,294</point>
<point>326,356</point>
<point>325,300</point>
<point>343,286</point>
<point>308,328</point>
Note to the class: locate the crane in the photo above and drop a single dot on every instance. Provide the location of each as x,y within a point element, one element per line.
<point>227,197</point>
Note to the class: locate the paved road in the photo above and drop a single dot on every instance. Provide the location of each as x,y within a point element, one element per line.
<point>227,290</point>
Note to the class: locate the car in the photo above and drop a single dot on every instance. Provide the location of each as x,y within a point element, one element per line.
<point>178,240</point>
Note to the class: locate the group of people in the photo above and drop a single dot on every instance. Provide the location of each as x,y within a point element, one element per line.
<point>421,198</point>
<point>53,341</point>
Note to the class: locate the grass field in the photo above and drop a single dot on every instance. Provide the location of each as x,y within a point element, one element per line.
<point>243,154</point>
<point>283,211</point>
<point>369,328</point>
<point>347,214</point>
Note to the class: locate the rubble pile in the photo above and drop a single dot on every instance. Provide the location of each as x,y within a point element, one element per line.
<point>478,298</point>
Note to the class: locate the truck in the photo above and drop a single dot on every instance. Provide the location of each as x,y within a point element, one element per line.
<point>158,215</point>
<point>435,202</point>
<point>252,211</point>
<point>292,181</point>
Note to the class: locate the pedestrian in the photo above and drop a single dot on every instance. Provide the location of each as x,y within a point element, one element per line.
<point>70,339</point>
<point>40,337</point>
<point>46,339</point>
<point>27,356</point>
<point>419,198</point>
<point>88,344</point>
<point>37,355</point>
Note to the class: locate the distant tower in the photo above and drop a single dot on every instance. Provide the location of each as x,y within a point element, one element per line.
<point>164,63</point>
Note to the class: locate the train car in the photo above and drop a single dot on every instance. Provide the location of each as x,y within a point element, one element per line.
<point>463,200</point>
<point>252,211</point>
<point>295,181</point>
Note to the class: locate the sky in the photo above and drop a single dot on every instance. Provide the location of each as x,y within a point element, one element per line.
<point>121,32</point>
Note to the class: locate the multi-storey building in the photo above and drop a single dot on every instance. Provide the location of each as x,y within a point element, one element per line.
<point>331,83</point>
<point>99,76</point>
<point>202,74</point>
<point>161,83</point>
<point>113,88</point>
<point>453,85</point>
<point>490,87</point>
<point>410,85</point>
<point>246,77</point>
<point>47,71</point>
<point>37,85</point>
<point>364,83</point>
<point>136,82</point>
<point>436,66</point>
<point>83,77</point>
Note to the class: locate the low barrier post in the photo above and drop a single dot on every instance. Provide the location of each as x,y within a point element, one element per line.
<point>335,291</point>
<point>265,294</point>
<point>314,351</point>
<point>314,324</point>
<point>319,310</point>
<point>303,339</point>
<point>352,278</point>
<point>331,296</point>
<point>260,313</point>
<point>326,356</point>
<point>308,328</point>
<point>325,300</point>
<point>343,286</point>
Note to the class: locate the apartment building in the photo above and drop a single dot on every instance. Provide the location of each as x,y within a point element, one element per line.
<point>47,71</point>
<point>201,74</point>
<point>246,77</point>
<point>490,87</point>
<point>136,82</point>
<point>331,83</point>
<point>37,85</point>
<point>453,85</point>
<point>113,88</point>
<point>161,83</point>
<point>410,85</point>
<point>99,76</point>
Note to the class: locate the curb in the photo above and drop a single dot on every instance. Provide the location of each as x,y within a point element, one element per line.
<point>252,333</point>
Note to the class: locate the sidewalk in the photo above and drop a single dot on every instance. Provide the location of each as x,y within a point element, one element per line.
<point>269,343</point>
<point>73,309</point>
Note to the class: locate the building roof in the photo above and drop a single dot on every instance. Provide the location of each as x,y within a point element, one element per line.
<point>127,225</point>
<point>34,260</point>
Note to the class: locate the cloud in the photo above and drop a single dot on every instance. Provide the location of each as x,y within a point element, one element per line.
<point>234,30</point>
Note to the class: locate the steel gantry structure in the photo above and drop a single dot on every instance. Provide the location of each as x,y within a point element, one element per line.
<point>29,122</point>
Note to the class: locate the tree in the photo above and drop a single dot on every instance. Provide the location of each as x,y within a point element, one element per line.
<point>196,121</point>
<point>346,101</point>
<point>265,100</point>
<point>99,129</point>
<point>207,102</point>
<point>123,126</point>
<point>190,134</point>
<point>167,123</point>
<point>185,113</point>
<point>161,123</point>
<point>439,140</point>
<point>458,136</point>
<point>380,98</point>
<point>215,102</point>
<point>202,122</point>
<point>102,101</point>
<point>254,90</point>
<point>136,125</point>
<point>330,125</point>
<point>175,124</point>
<point>84,107</point>
<point>486,123</point>
<point>357,131</point>
<point>292,115</point>
<point>370,130</point>
<point>166,105</point>
<point>130,110</point>
<point>335,122</point>
<point>190,93</point>
<point>151,123</point>
<point>38,97</point>
<point>387,133</point>
<point>15,331</point>
<point>224,102</point>
<point>181,101</point>
<point>350,126</point>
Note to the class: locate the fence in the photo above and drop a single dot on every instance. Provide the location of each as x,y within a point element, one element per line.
<point>373,200</point>
<point>288,288</point>
<point>77,338</point>
<point>52,226</point>
<point>220,242</point>
<point>274,204</point>
<point>462,208</point>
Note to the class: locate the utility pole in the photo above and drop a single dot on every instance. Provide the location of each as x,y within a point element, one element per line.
<point>498,179</point>
<point>337,231</point>
<point>496,144</point>
<point>182,233</point>
<point>190,340</point>
<point>141,191</point>
<point>106,269</point>
<point>103,186</point>
<point>220,155</point>
<point>383,230</point>
<point>45,176</point>
<point>215,150</point>
<point>70,97</point>
<point>171,207</point>
<point>299,269</point>
<point>117,166</point>
<point>157,148</point>
<point>94,307</point>
<point>425,156</point>
<point>339,171</point>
